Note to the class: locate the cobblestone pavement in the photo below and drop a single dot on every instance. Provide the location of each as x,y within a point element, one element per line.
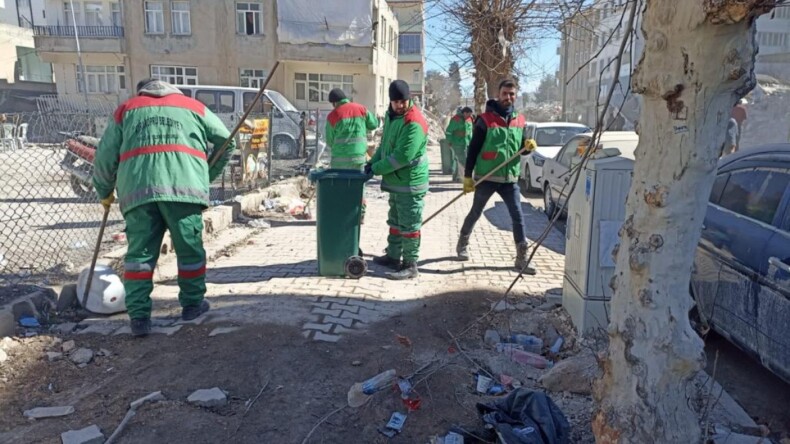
<point>273,278</point>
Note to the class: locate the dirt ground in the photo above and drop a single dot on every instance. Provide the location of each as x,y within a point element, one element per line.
<point>306,381</point>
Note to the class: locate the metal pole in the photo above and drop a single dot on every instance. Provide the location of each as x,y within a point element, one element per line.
<point>79,54</point>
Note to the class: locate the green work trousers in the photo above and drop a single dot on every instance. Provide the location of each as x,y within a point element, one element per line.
<point>405,221</point>
<point>351,166</point>
<point>145,228</point>
<point>459,155</point>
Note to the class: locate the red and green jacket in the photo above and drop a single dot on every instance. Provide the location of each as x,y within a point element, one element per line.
<point>498,136</point>
<point>401,158</point>
<point>155,150</point>
<point>346,134</point>
<point>459,131</point>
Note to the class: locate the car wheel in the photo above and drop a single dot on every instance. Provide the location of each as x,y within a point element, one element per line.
<point>698,322</point>
<point>525,183</point>
<point>284,148</point>
<point>549,207</point>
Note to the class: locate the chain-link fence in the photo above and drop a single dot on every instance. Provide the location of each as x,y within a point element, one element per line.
<point>49,213</point>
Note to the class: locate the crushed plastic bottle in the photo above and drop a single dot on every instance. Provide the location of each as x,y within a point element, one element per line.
<point>532,344</point>
<point>360,392</point>
<point>527,358</point>
<point>557,346</point>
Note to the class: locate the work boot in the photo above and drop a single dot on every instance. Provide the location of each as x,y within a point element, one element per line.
<point>387,261</point>
<point>408,271</point>
<point>141,327</point>
<point>521,259</point>
<point>191,312</point>
<point>462,248</point>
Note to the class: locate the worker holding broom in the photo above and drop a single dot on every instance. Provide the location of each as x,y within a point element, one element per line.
<point>346,132</point>
<point>498,135</point>
<point>402,162</point>
<point>155,152</point>
<point>459,134</point>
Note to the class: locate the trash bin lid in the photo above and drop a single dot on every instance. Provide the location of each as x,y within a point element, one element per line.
<point>316,175</point>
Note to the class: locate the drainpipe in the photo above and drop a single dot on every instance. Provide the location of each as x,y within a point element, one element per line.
<point>79,56</point>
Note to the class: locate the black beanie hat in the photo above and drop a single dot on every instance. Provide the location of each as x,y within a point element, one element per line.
<point>467,110</point>
<point>399,90</point>
<point>336,95</point>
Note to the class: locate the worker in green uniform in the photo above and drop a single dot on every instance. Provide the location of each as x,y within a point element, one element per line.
<point>155,153</point>
<point>402,162</point>
<point>498,135</point>
<point>459,134</point>
<point>347,129</point>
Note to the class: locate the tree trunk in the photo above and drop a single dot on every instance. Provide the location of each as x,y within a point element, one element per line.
<point>698,60</point>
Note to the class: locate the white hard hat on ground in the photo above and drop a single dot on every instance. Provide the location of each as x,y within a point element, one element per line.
<point>107,295</point>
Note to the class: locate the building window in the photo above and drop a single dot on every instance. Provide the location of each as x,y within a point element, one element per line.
<point>115,11</point>
<point>154,18</point>
<point>181,18</point>
<point>249,18</point>
<point>93,14</point>
<point>72,16</point>
<point>416,77</point>
<point>252,78</point>
<point>175,75</point>
<point>410,44</point>
<point>315,87</point>
<point>383,33</point>
<point>102,79</point>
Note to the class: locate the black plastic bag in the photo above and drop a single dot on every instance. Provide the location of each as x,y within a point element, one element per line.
<point>526,417</point>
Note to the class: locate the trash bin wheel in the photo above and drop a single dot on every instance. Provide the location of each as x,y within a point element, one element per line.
<point>356,267</point>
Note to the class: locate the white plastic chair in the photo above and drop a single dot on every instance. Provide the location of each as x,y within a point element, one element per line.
<point>21,136</point>
<point>7,136</point>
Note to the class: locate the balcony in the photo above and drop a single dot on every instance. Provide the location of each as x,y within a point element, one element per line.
<point>61,39</point>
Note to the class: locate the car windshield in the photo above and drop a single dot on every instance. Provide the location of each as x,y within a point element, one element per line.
<point>280,101</point>
<point>557,135</point>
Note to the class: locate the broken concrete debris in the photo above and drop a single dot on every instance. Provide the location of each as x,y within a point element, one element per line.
<point>3,355</point>
<point>213,397</point>
<point>575,374</point>
<point>89,435</point>
<point>502,306</point>
<point>54,356</point>
<point>222,330</point>
<point>48,412</point>
<point>68,346</point>
<point>81,356</point>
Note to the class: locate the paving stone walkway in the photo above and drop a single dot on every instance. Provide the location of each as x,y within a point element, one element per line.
<point>272,278</point>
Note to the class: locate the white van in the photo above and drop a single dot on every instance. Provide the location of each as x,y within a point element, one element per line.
<point>230,102</point>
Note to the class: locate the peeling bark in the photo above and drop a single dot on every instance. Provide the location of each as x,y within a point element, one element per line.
<point>698,62</point>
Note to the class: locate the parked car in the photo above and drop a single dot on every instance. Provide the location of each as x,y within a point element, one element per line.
<point>556,174</point>
<point>549,137</point>
<point>741,275</point>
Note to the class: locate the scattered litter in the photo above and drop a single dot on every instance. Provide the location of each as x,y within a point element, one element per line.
<point>356,363</point>
<point>295,207</point>
<point>557,346</point>
<point>269,204</point>
<point>78,245</point>
<point>89,435</point>
<point>411,399</point>
<point>259,223</point>
<point>29,322</point>
<point>403,340</point>
<point>492,338</point>
<point>532,344</point>
<point>483,383</point>
<point>360,392</point>
<point>119,237</point>
<point>526,417</point>
<point>48,412</point>
<point>394,426</point>
<point>527,358</point>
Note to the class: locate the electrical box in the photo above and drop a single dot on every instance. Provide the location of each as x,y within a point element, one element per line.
<point>596,211</point>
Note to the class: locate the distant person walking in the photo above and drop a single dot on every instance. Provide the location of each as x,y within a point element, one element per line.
<point>740,115</point>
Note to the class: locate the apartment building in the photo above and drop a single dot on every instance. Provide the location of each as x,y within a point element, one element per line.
<point>593,37</point>
<point>18,58</point>
<point>222,42</point>
<point>411,43</point>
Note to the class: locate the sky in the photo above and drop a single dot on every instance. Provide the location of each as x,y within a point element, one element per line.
<point>542,60</point>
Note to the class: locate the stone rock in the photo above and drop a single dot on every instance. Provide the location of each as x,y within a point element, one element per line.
<point>81,356</point>
<point>68,346</point>
<point>151,397</point>
<point>8,343</point>
<point>492,338</point>
<point>574,374</point>
<point>502,306</point>
<point>167,331</point>
<point>89,435</point>
<point>64,328</point>
<point>523,307</point>
<point>3,355</point>
<point>103,352</point>
<point>222,331</point>
<point>48,412</point>
<point>213,397</point>
<point>555,296</point>
<point>54,356</point>
<point>724,436</point>
<point>356,363</point>
<point>7,323</point>
<point>67,298</point>
<point>99,328</point>
<point>549,306</point>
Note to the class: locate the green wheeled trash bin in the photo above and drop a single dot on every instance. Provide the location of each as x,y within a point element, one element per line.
<point>448,162</point>
<point>338,216</point>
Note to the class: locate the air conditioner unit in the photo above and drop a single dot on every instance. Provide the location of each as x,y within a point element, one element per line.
<point>596,211</point>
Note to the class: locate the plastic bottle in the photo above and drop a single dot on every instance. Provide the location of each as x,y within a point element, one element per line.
<point>530,343</point>
<point>503,347</point>
<point>557,345</point>
<point>527,358</point>
<point>379,382</point>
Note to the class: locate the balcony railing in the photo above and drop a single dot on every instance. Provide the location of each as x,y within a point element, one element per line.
<point>82,31</point>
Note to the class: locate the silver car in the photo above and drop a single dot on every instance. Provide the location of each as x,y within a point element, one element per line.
<point>549,137</point>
